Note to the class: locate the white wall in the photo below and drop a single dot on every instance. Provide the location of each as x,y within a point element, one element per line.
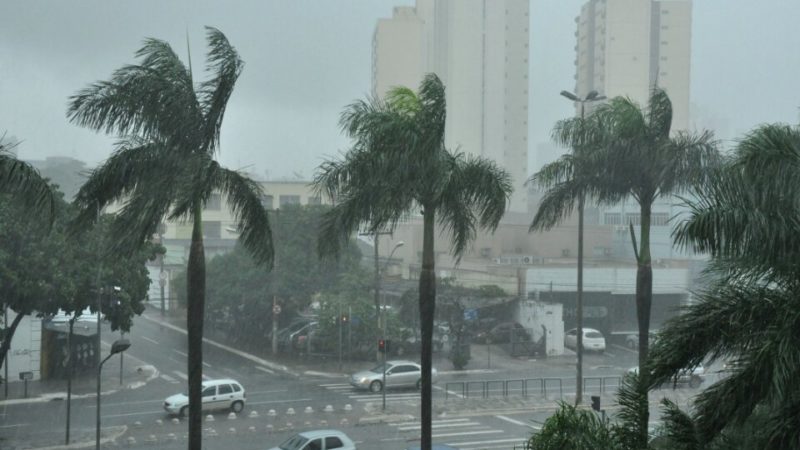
<point>26,348</point>
<point>532,315</point>
<point>617,280</point>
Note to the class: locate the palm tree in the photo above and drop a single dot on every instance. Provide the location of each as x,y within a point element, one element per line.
<point>748,218</point>
<point>399,163</point>
<point>24,183</point>
<point>164,167</point>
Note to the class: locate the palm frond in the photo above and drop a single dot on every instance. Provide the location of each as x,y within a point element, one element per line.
<point>557,204</point>
<point>659,113</point>
<point>226,66</point>
<point>631,430</point>
<point>679,427</point>
<point>24,183</point>
<point>244,199</point>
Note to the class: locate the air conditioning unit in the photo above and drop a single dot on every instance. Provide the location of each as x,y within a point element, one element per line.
<point>531,259</point>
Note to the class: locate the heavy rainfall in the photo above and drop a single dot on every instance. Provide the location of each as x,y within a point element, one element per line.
<point>399,224</point>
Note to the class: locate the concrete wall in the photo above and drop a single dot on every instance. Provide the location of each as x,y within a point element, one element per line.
<point>26,347</point>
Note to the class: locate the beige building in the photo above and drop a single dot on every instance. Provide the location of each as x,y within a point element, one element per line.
<point>479,48</point>
<point>624,47</point>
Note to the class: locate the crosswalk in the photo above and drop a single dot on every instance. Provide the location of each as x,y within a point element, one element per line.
<point>464,434</point>
<point>364,396</point>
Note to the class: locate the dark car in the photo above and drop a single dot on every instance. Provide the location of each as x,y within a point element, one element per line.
<point>506,332</point>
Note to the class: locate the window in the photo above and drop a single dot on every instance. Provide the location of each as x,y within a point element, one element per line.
<point>214,202</point>
<point>212,230</point>
<point>285,200</point>
<point>210,391</point>
<point>225,389</point>
<point>266,202</point>
<point>316,444</point>
<point>612,219</point>
<point>314,200</point>
<point>236,388</point>
<point>333,442</point>
<point>659,219</point>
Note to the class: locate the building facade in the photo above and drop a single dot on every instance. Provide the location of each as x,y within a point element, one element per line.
<point>625,47</point>
<point>480,50</point>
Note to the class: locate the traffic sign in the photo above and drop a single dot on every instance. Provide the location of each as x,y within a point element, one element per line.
<point>471,314</point>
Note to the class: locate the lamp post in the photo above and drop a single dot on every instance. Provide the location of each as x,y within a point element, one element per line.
<point>385,320</point>
<point>119,346</point>
<point>592,96</point>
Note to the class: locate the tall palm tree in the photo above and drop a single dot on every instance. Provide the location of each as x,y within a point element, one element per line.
<point>164,167</point>
<point>748,218</point>
<point>399,163</point>
<point>24,183</point>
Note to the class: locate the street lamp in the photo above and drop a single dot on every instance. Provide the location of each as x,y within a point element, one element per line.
<point>119,346</point>
<point>592,96</point>
<point>386,319</point>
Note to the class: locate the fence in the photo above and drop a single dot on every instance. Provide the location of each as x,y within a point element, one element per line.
<point>525,386</point>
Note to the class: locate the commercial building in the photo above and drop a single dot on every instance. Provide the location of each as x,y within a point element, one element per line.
<point>480,50</point>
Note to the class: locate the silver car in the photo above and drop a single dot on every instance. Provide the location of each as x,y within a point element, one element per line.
<point>318,440</point>
<point>398,374</point>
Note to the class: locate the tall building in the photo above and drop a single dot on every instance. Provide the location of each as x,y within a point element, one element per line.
<point>479,48</point>
<point>625,47</point>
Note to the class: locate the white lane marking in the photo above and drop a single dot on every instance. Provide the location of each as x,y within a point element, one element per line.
<point>448,391</point>
<point>334,385</point>
<point>264,369</point>
<point>139,402</point>
<point>206,364</point>
<point>465,433</point>
<point>146,413</point>
<point>498,441</point>
<point>514,421</point>
<point>185,355</point>
<point>15,425</point>
<point>400,424</point>
<point>266,392</point>
<point>624,348</point>
<point>393,439</point>
<point>439,425</point>
<point>181,374</point>
<point>378,397</point>
<point>278,401</point>
<point>168,378</point>
<point>152,341</point>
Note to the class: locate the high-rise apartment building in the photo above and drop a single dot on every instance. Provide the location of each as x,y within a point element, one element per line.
<point>479,48</point>
<point>625,47</point>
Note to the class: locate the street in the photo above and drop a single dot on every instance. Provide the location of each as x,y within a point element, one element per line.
<point>481,408</point>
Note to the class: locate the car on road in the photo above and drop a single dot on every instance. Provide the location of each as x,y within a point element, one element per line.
<point>632,339</point>
<point>593,340</point>
<point>692,377</point>
<point>217,394</point>
<point>318,440</point>
<point>398,374</point>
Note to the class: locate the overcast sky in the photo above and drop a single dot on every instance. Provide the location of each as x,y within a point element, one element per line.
<point>305,60</point>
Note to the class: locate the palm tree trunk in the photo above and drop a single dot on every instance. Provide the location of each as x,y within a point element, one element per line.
<point>427,307</point>
<point>644,300</point>
<point>196,288</point>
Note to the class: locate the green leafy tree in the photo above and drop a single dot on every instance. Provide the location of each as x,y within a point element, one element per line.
<point>747,218</point>
<point>46,269</point>
<point>24,184</point>
<point>399,164</point>
<point>164,167</point>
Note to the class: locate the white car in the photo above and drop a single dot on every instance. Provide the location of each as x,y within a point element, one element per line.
<point>593,340</point>
<point>398,374</point>
<point>217,394</point>
<point>318,440</point>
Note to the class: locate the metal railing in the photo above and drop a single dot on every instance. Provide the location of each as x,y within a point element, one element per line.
<point>526,387</point>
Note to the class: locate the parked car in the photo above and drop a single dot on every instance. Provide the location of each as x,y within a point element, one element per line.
<point>632,340</point>
<point>217,394</point>
<point>505,332</point>
<point>318,440</point>
<point>398,374</point>
<point>692,377</point>
<point>593,340</point>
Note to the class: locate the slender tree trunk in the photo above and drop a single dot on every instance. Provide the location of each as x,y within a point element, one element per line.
<point>378,315</point>
<point>427,307</point>
<point>644,300</point>
<point>196,288</point>
<point>8,335</point>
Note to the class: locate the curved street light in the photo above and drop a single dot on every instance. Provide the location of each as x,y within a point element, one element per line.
<point>592,96</point>
<point>119,346</point>
<point>385,320</point>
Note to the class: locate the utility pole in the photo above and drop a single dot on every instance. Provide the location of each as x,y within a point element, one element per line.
<point>276,308</point>
<point>162,278</point>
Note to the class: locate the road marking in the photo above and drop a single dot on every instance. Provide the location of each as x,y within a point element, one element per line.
<point>15,425</point>
<point>467,433</point>
<point>180,353</point>
<point>181,375</point>
<point>624,348</point>
<point>264,369</point>
<point>168,378</point>
<point>377,396</point>
<point>498,441</point>
<point>609,354</point>
<point>334,385</point>
<point>416,422</point>
<point>438,388</point>
<point>393,439</point>
<point>152,341</point>
<point>514,421</point>
<point>146,413</point>
<point>266,392</point>
<point>206,364</point>
<point>440,425</point>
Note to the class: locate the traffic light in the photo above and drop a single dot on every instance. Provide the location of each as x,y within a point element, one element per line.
<point>383,345</point>
<point>596,402</point>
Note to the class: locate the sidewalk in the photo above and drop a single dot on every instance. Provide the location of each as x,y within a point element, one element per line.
<point>135,374</point>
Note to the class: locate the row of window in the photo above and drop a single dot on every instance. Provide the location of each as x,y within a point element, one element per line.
<point>214,202</point>
<point>656,219</point>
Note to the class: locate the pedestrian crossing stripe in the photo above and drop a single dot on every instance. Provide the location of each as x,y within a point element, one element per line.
<point>465,433</point>
<point>440,425</point>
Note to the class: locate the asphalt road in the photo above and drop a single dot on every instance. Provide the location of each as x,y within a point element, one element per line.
<point>140,422</point>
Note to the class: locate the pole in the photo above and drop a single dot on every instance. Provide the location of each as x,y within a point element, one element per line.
<point>5,362</point>
<point>383,383</point>
<point>69,376</point>
<point>161,280</point>
<point>579,300</point>
<point>97,429</point>
<point>275,295</point>
<point>340,336</point>
<point>349,333</point>
<point>120,360</point>
<point>378,313</point>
